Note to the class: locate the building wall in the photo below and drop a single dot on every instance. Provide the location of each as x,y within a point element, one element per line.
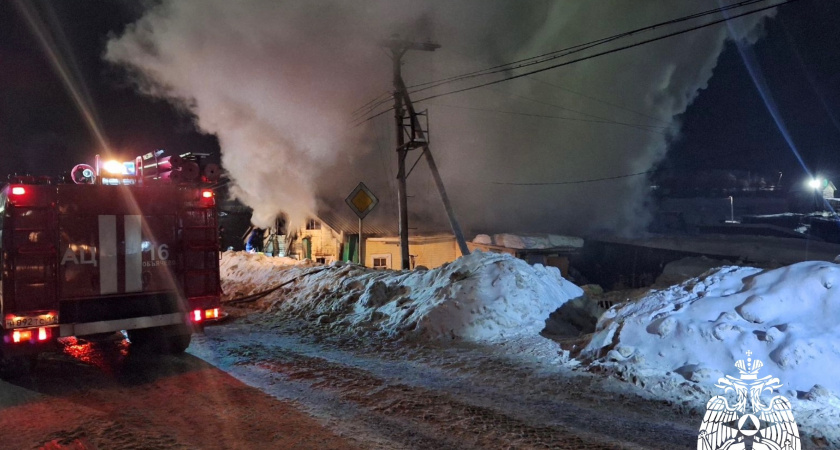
<point>434,254</point>
<point>325,243</point>
<point>429,252</point>
<point>373,248</point>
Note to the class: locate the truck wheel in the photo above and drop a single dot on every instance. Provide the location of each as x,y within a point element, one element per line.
<point>172,339</point>
<point>178,344</point>
<point>145,339</point>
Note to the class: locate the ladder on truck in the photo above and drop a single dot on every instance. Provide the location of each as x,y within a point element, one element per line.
<point>34,260</point>
<point>200,252</point>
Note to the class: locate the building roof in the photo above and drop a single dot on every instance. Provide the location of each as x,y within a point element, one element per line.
<point>349,224</point>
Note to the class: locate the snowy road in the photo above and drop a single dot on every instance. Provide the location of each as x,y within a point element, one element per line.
<point>101,396</point>
<point>464,396</point>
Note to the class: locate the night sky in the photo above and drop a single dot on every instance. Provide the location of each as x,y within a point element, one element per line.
<point>728,126</point>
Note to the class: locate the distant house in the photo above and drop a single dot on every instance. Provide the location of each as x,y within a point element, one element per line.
<point>828,189</point>
<point>316,241</point>
<point>548,250</point>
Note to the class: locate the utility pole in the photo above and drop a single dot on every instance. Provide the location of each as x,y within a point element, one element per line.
<point>398,48</point>
<point>418,139</point>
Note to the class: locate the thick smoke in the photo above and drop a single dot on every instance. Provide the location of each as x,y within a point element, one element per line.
<point>277,82</point>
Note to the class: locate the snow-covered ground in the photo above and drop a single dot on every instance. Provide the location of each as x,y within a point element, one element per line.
<point>672,344</point>
<point>481,297</point>
<point>677,342</point>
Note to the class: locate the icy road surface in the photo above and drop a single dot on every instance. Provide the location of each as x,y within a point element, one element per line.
<point>391,396</point>
<point>101,396</point>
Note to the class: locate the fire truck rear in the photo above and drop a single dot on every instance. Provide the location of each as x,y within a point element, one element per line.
<point>91,259</point>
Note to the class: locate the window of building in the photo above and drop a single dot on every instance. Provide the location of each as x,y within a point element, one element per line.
<point>313,224</point>
<point>321,260</point>
<point>381,261</point>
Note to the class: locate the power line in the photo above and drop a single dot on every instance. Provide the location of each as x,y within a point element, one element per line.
<point>545,57</point>
<point>545,116</point>
<point>595,99</point>
<point>604,119</point>
<point>579,47</point>
<point>557,183</point>
<point>386,93</point>
<point>606,52</point>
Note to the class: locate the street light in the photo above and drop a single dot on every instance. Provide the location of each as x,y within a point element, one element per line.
<point>817,184</point>
<point>731,210</point>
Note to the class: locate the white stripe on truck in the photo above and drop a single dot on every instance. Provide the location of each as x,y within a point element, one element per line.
<point>133,254</point>
<point>107,254</point>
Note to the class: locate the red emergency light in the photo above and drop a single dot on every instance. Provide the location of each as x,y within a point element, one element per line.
<point>18,190</point>
<point>206,193</point>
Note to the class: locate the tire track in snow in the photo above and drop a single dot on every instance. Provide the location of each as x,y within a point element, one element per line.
<point>482,404</point>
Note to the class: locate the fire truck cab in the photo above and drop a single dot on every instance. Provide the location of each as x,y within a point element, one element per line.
<point>88,259</point>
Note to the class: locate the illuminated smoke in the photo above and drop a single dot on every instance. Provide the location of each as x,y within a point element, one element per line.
<point>277,82</point>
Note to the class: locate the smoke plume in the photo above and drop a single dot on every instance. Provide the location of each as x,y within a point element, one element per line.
<point>278,81</point>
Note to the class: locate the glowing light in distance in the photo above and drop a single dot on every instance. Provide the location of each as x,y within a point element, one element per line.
<point>815,183</point>
<point>114,167</point>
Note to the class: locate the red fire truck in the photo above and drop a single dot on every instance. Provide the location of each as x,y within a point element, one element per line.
<point>136,255</point>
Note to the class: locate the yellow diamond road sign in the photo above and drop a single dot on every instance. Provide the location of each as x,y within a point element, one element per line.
<point>361,200</point>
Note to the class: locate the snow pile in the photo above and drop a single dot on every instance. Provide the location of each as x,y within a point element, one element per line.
<point>789,318</point>
<point>530,241</point>
<point>245,273</point>
<point>480,297</point>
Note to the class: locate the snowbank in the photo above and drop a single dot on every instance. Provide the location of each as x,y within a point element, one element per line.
<point>789,318</point>
<point>480,297</point>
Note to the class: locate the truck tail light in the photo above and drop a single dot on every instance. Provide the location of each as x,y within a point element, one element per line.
<point>18,190</point>
<point>211,313</point>
<point>206,193</point>
<point>37,335</point>
<point>197,315</point>
<point>21,336</point>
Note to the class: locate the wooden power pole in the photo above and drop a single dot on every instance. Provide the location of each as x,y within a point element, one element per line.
<point>418,139</point>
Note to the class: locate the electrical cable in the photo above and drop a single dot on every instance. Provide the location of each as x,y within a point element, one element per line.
<point>557,183</point>
<point>603,53</point>
<point>553,55</point>
<point>545,116</point>
<point>595,99</point>
<point>579,47</point>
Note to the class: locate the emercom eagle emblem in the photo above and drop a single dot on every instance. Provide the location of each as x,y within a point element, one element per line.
<point>748,424</point>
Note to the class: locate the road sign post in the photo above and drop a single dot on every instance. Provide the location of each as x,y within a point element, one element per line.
<point>361,201</point>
